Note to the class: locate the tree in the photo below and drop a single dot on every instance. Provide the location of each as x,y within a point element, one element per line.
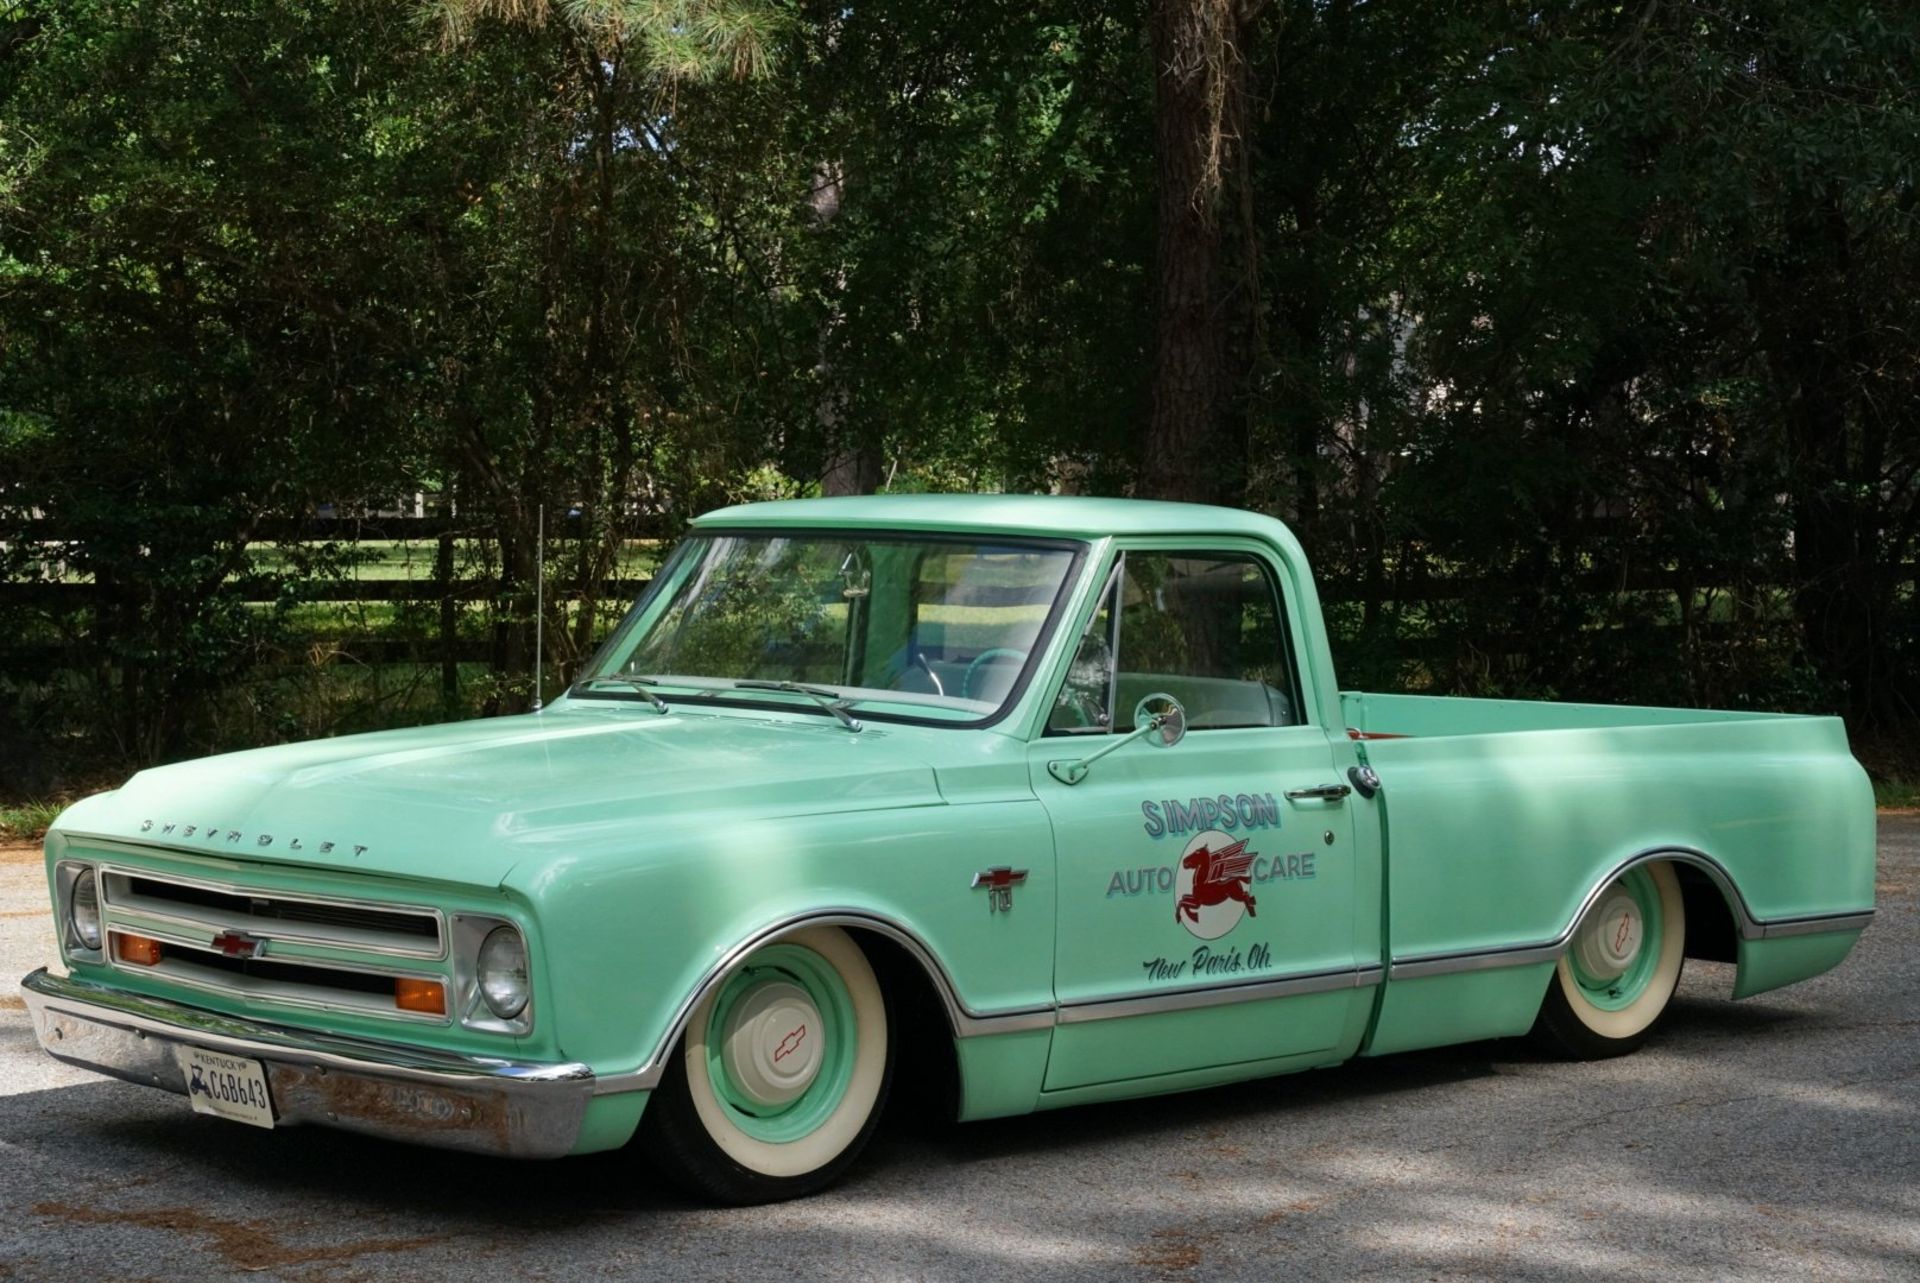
<point>193,334</point>
<point>1652,238</point>
<point>1200,117</point>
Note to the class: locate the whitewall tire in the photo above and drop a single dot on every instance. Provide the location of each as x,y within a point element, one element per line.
<point>781,1075</point>
<point>1620,969</point>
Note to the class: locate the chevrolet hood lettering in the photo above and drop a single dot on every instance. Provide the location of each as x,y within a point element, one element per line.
<point>208,834</point>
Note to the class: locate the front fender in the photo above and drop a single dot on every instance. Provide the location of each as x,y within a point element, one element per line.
<point>633,937</point>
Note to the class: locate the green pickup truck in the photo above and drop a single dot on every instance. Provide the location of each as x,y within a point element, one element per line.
<point>1050,800</point>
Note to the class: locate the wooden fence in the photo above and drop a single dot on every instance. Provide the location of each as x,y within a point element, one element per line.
<point>64,598</point>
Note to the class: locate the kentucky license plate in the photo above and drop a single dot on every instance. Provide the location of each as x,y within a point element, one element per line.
<point>227,1086</point>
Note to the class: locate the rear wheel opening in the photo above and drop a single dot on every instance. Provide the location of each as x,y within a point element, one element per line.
<point>1712,933</point>
<point>1620,969</point>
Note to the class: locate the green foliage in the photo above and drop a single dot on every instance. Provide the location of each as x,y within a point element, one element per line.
<point>28,821</point>
<point>1579,300</point>
<point>1896,795</point>
<point>676,39</point>
<point>1576,340</point>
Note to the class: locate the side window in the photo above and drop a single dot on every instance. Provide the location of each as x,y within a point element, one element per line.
<point>1207,628</point>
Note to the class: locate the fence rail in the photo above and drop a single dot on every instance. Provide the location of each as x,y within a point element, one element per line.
<point>66,597</point>
<point>74,596</point>
<point>52,530</point>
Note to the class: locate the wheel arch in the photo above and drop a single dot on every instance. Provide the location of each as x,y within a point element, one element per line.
<point>1714,904</point>
<point>902,961</point>
<point>1715,913</point>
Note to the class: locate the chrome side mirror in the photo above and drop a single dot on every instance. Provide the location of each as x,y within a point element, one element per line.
<point>1160,719</point>
<point>1164,717</point>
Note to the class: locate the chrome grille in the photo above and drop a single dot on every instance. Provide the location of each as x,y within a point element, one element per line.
<point>402,931</point>
<point>276,946</point>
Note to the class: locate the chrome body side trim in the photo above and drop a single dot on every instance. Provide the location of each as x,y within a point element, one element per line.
<point>1750,927</point>
<point>1150,1004</point>
<point>426,1096</point>
<point>1446,964</point>
<point>1781,928</point>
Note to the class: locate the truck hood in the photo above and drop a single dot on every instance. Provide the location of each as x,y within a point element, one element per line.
<point>468,801</point>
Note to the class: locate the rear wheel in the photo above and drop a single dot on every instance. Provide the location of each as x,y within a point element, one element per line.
<point>1620,969</point>
<point>781,1075</point>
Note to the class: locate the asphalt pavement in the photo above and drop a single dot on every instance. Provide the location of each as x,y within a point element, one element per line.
<point>1777,1138</point>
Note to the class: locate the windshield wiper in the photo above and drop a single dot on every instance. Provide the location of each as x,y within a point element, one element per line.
<point>831,700</point>
<point>638,684</point>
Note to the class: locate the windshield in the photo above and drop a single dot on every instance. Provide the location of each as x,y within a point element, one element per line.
<point>911,626</point>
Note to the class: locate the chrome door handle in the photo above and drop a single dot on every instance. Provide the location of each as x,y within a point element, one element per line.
<point>1320,793</point>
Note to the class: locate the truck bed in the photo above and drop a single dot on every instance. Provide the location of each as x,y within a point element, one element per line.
<point>1499,817</point>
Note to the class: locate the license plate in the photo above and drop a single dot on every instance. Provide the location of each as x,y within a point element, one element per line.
<point>226,1086</point>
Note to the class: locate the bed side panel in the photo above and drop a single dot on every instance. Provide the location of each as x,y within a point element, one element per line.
<point>1497,839</point>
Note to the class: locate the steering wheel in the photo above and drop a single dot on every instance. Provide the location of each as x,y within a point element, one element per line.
<point>991,655</point>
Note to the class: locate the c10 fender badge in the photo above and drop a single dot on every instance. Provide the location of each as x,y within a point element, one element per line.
<point>999,882</point>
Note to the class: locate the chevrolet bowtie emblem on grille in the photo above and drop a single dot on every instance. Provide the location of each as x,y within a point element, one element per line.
<point>236,944</point>
<point>999,883</point>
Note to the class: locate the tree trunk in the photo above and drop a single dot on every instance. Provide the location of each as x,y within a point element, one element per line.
<point>853,465</point>
<point>851,470</point>
<point>1199,79</point>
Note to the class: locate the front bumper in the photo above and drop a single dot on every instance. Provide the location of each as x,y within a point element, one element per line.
<point>425,1096</point>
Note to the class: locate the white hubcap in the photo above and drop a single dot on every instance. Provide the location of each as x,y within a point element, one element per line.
<point>1611,939</point>
<point>773,1043</point>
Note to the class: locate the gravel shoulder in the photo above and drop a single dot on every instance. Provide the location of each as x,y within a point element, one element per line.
<point>1777,1138</point>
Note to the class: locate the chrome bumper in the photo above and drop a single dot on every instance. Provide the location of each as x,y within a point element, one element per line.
<point>428,1097</point>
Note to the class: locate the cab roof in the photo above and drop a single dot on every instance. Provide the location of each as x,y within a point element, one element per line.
<point>1047,516</point>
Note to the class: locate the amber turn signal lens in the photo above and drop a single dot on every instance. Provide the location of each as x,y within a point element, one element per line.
<point>141,951</point>
<point>420,995</point>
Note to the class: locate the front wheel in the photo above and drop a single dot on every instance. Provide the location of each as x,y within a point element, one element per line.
<point>781,1076</point>
<point>1620,968</point>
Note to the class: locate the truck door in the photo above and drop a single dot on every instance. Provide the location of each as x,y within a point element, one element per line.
<point>1206,890</point>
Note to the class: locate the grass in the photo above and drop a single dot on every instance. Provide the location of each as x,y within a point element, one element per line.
<point>27,821</point>
<point>1896,795</point>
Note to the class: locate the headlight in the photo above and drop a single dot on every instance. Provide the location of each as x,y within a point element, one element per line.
<point>83,909</point>
<point>503,972</point>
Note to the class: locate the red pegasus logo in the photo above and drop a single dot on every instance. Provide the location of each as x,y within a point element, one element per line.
<point>1219,875</point>
<point>789,1044</point>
